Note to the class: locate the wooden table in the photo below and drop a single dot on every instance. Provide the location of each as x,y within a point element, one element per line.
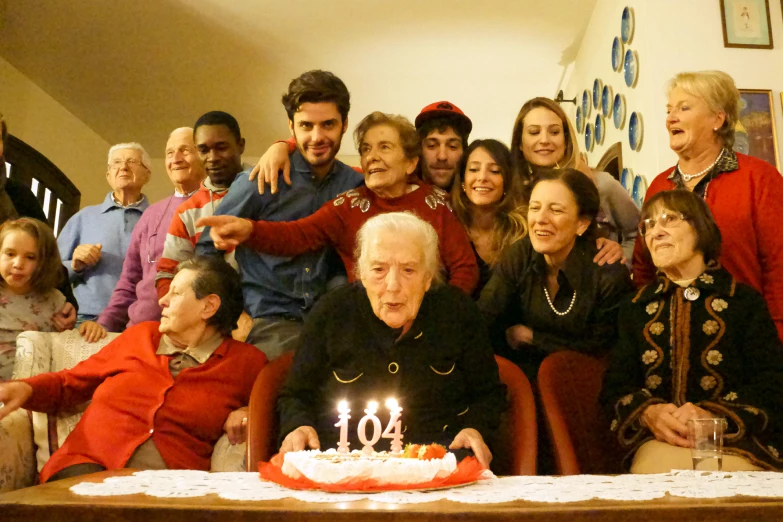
<point>54,503</point>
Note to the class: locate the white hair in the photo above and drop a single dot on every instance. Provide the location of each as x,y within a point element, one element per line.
<point>145,158</point>
<point>399,223</point>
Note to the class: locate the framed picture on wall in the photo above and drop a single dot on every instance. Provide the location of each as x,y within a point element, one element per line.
<point>746,24</point>
<point>754,133</point>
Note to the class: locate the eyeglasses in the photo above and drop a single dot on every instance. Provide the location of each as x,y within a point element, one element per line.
<point>131,162</point>
<point>666,220</point>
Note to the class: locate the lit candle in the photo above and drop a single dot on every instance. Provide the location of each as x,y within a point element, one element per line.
<point>342,446</point>
<point>369,416</point>
<point>394,424</point>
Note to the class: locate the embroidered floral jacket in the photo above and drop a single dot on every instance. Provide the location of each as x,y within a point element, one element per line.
<point>719,350</point>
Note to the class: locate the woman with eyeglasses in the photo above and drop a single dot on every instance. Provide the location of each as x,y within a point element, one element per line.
<point>694,343</point>
<point>743,192</point>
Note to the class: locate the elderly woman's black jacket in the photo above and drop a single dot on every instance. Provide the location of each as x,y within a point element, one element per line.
<point>720,351</point>
<point>442,371</point>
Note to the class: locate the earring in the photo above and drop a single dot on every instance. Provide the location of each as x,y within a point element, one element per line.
<point>463,188</point>
<point>715,130</point>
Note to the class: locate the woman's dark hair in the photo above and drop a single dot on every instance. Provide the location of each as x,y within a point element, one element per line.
<point>585,193</point>
<point>696,212</point>
<point>219,118</point>
<point>215,276</point>
<point>48,273</point>
<point>317,87</point>
<point>510,222</point>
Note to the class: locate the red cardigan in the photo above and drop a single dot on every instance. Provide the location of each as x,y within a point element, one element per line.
<point>337,222</point>
<point>135,397</point>
<point>746,205</point>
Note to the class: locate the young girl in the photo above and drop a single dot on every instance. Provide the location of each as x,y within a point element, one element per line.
<point>30,270</point>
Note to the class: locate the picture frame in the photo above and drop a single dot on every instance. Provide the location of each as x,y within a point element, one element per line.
<point>755,133</point>
<point>746,24</point>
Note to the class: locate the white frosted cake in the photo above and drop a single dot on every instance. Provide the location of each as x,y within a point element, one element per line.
<point>331,467</point>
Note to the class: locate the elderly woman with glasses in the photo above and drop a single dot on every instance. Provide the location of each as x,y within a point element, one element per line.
<point>695,343</point>
<point>743,192</point>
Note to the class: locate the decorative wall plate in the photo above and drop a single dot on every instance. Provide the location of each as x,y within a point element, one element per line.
<point>617,54</point>
<point>626,179</point>
<point>631,68</point>
<point>589,140</point>
<point>639,190</point>
<point>618,111</point>
<point>598,87</point>
<point>606,101</point>
<point>587,104</point>
<point>600,129</point>
<point>635,131</point>
<point>580,121</point>
<point>627,25</point>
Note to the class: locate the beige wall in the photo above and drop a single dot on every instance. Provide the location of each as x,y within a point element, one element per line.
<point>671,36</point>
<point>37,119</point>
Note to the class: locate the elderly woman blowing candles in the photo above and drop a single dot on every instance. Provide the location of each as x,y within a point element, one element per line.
<point>396,333</point>
<point>389,149</point>
<point>694,343</point>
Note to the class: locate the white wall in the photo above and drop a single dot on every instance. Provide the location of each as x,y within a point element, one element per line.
<point>670,36</point>
<point>37,119</point>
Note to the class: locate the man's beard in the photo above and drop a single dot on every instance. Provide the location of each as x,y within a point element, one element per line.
<point>322,160</point>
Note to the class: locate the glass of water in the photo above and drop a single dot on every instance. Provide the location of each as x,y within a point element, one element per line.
<point>706,438</point>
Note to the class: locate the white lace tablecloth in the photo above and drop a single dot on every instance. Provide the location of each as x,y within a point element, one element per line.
<point>249,486</point>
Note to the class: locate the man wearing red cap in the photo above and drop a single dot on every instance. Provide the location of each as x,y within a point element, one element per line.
<point>444,131</point>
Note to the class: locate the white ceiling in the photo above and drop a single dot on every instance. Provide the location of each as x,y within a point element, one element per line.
<point>134,70</point>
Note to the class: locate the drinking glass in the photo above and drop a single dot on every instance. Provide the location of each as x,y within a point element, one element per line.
<point>706,438</point>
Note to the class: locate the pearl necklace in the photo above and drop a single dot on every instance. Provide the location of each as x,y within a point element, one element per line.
<point>689,177</point>
<point>548,300</point>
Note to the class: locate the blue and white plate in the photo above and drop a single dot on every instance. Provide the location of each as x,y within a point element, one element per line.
<point>598,87</point>
<point>580,121</point>
<point>617,54</point>
<point>606,101</point>
<point>639,190</point>
<point>589,140</point>
<point>618,111</point>
<point>626,179</point>
<point>631,68</point>
<point>627,25</point>
<point>635,131</point>
<point>600,129</point>
<point>587,104</point>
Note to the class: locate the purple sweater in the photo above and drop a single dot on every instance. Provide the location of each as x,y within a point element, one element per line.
<point>135,299</point>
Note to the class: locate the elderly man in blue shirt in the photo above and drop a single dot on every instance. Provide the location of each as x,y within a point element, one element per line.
<point>279,291</point>
<point>94,241</point>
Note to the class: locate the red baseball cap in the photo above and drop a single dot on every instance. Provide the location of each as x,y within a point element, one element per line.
<point>444,109</point>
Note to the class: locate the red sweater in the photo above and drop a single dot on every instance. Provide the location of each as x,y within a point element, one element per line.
<point>745,204</point>
<point>337,222</point>
<point>135,397</point>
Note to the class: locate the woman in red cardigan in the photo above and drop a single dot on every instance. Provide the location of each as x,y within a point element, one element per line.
<point>161,392</point>
<point>744,193</point>
<point>389,149</point>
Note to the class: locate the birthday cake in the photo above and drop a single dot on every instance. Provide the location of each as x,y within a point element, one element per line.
<point>417,464</point>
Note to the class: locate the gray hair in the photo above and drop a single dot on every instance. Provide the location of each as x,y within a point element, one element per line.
<point>145,158</point>
<point>400,223</point>
<point>718,90</point>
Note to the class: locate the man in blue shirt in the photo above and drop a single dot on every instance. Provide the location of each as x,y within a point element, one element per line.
<point>94,241</point>
<point>280,291</point>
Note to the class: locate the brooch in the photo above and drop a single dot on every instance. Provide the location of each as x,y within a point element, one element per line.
<point>691,293</point>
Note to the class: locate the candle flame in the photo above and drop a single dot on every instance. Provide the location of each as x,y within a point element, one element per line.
<point>342,407</point>
<point>392,404</point>
<point>372,406</point>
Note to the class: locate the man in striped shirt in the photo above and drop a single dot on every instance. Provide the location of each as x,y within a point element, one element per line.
<point>220,146</point>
